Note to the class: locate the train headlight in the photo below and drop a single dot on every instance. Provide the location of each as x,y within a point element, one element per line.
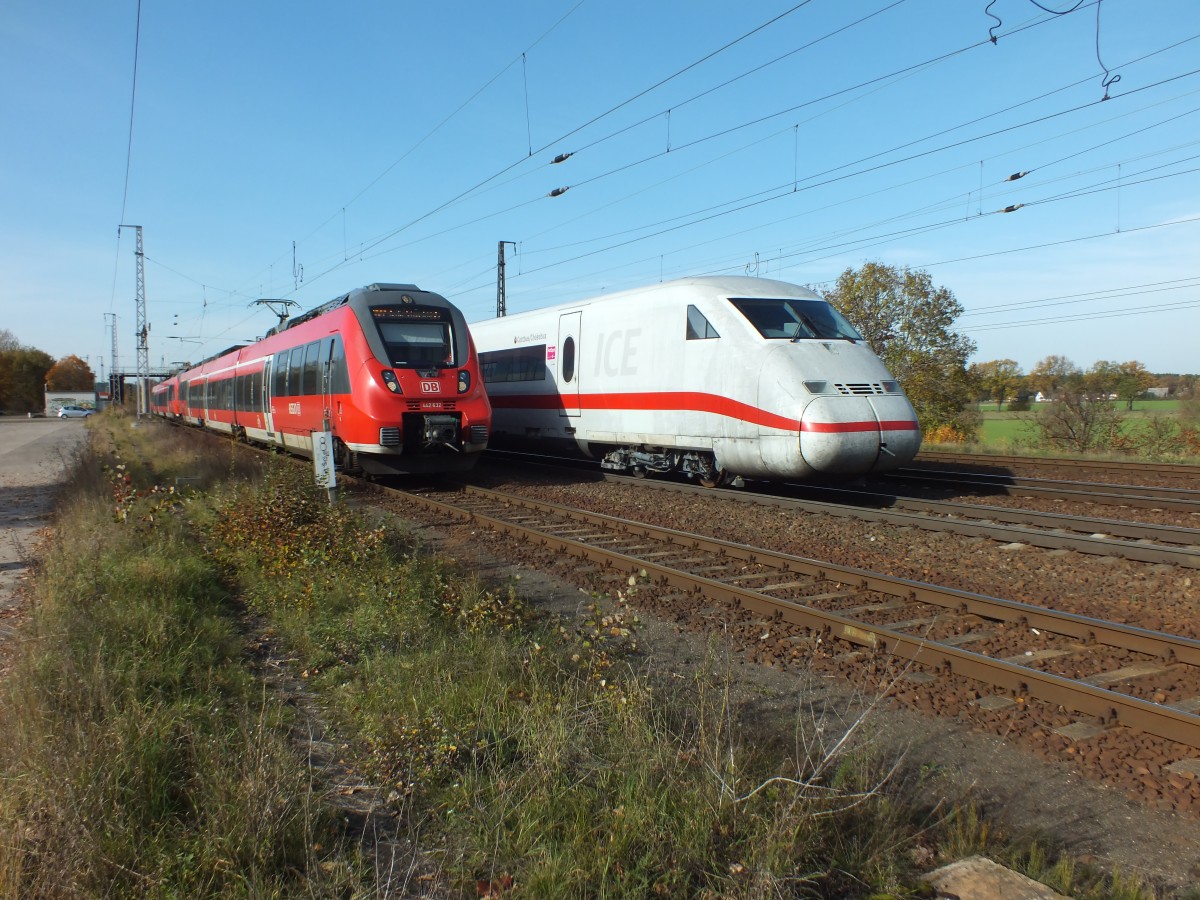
<point>464,381</point>
<point>891,387</point>
<point>389,378</point>
<point>816,387</point>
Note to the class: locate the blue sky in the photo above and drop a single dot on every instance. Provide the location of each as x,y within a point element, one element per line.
<point>399,142</point>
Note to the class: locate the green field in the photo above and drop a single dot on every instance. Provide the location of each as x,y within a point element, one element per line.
<point>1004,431</point>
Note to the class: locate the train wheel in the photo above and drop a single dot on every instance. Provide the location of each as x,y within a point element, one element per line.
<point>713,478</point>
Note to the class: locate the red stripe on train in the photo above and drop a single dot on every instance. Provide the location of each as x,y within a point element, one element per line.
<point>692,401</point>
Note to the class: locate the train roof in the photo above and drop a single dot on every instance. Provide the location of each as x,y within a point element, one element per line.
<point>355,294</point>
<point>726,285</point>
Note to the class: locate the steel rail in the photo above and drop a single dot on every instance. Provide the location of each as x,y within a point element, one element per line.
<point>1108,707</point>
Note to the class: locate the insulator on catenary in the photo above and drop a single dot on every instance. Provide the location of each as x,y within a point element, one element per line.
<point>558,192</point>
<point>1015,175</point>
<point>562,157</point>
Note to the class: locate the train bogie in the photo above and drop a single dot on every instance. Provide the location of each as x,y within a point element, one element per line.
<point>390,370</point>
<point>713,377</point>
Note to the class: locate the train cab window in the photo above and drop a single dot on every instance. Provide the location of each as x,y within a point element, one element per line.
<point>417,337</point>
<point>312,369</point>
<point>568,360</point>
<point>795,319</point>
<point>698,327</point>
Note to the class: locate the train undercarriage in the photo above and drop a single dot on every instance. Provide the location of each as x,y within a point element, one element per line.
<point>642,461</point>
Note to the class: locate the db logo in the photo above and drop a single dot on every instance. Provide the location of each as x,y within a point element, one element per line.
<point>430,387</point>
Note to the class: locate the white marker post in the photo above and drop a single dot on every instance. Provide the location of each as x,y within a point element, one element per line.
<point>323,463</point>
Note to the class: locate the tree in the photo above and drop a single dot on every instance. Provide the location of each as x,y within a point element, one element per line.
<point>1102,377</point>
<point>1052,375</point>
<point>1080,420</point>
<point>1133,380</point>
<point>23,379</point>
<point>999,378</point>
<point>70,374</point>
<point>908,323</point>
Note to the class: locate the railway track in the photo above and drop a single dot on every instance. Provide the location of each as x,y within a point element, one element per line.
<point>1140,541</point>
<point>1178,499</point>
<point>1112,677</point>
<point>1137,472</point>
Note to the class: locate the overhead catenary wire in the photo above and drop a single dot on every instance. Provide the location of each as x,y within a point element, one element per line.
<point>893,149</point>
<point>475,220</point>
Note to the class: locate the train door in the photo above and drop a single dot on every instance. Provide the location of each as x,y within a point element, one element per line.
<point>568,362</point>
<point>326,370</point>
<point>265,396</point>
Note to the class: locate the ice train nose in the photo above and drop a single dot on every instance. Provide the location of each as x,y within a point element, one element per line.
<point>855,435</point>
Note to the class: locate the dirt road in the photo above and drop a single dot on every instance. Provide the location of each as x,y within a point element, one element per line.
<point>35,457</point>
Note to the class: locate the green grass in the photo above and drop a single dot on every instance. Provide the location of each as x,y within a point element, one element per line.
<point>143,753</point>
<point>139,756</point>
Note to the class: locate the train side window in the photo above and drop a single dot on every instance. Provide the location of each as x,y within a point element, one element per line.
<point>296,372</point>
<point>339,374</point>
<point>568,360</point>
<point>312,369</point>
<point>279,375</point>
<point>518,364</point>
<point>698,327</point>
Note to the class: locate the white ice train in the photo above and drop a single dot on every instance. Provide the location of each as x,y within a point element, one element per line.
<point>713,377</point>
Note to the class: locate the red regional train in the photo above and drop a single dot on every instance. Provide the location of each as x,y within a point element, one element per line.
<point>389,369</point>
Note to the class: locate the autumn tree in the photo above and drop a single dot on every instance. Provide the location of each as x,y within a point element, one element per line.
<point>1051,375</point>
<point>908,322</point>
<point>1102,377</point>
<point>71,374</point>
<point>998,378</point>
<point>23,379</point>
<point>1132,381</point>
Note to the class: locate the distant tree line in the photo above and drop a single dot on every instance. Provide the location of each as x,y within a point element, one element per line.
<point>1078,414</point>
<point>26,373</point>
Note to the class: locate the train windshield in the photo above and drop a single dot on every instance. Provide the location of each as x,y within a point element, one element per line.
<point>417,337</point>
<point>796,319</point>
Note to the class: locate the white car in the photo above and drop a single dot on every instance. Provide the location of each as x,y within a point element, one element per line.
<point>74,412</point>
